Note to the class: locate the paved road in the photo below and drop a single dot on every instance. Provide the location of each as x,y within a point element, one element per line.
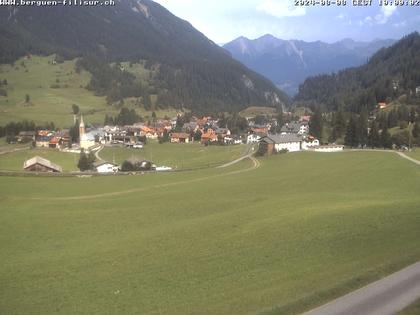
<point>408,158</point>
<point>384,297</point>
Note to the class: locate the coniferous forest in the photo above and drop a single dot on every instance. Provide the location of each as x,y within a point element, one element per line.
<point>389,74</point>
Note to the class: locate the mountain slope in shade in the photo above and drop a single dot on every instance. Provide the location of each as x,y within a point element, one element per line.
<point>289,62</point>
<point>389,74</point>
<point>193,71</point>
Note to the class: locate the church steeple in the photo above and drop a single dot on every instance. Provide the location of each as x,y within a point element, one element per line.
<point>81,127</point>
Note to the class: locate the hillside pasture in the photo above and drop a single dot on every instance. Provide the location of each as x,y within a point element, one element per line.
<point>53,88</point>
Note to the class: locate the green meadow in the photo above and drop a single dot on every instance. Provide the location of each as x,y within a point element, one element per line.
<point>412,309</point>
<point>53,89</point>
<point>14,161</point>
<point>176,155</point>
<point>279,236</point>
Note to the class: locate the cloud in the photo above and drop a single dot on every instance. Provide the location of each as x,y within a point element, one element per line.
<point>385,14</point>
<point>280,8</point>
<point>341,16</point>
<point>400,24</point>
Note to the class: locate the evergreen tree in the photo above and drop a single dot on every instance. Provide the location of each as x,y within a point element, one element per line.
<point>386,139</point>
<point>362,128</point>
<point>338,125</point>
<point>416,130</point>
<point>74,132</point>
<point>316,123</point>
<point>350,138</point>
<point>83,163</point>
<point>86,161</point>
<point>75,109</point>
<point>412,115</point>
<point>280,119</point>
<point>374,138</point>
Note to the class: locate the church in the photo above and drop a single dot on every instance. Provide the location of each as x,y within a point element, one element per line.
<point>86,140</point>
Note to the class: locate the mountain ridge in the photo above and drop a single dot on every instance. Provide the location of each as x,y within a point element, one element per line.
<point>390,73</point>
<point>289,62</point>
<point>194,72</point>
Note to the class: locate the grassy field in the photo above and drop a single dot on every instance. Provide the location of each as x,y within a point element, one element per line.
<point>53,89</point>
<point>294,233</point>
<point>178,156</point>
<point>175,155</point>
<point>14,161</point>
<point>412,309</point>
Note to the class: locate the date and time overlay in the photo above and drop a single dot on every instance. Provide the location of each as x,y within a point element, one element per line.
<point>297,3</point>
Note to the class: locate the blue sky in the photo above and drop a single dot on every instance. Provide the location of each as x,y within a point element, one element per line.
<point>225,20</point>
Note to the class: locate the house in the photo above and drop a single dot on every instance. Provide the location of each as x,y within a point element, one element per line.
<point>305,118</point>
<point>39,164</point>
<point>43,138</point>
<point>294,127</point>
<point>26,136</point>
<point>208,135</point>
<point>278,142</point>
<point>382,105</point>
<point>310,143</point>
<point>180,137</point>
<point>222,133</point>
<point>54,142</point>
<point>106,167</point>
<point>255,137</point>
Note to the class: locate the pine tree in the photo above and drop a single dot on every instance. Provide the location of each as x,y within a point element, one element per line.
<point>83,163</point>
<point>362,132</point>
<point>350,138</point>
<point>416,130</point>
<point>316,123</point>
<point>374,138</point>
<point>386,139</point>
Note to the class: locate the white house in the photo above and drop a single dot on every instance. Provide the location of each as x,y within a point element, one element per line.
<point>106,167</point>
<point>289,142</point>
<point>310,144</point>
<point>254,137</point>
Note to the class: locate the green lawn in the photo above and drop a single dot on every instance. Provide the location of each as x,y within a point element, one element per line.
<point>292,234</point>
<point>176,155</point>
<point>14,161</point>
<point>412,309</point>
<point>37,77</point>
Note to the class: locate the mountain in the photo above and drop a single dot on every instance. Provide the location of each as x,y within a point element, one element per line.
<point>189,70</point>
<point>389,74</point>
<point>288,63</point>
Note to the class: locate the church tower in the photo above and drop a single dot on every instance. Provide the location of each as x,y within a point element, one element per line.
<point>81,128</point>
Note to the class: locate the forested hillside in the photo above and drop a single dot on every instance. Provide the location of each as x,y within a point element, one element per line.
<point>389,74</point>
<point>190,70</point>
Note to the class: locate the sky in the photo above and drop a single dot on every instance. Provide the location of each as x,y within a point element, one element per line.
<point>225,20</point>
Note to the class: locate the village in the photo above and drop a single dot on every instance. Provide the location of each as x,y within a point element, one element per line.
<point>270,138</point>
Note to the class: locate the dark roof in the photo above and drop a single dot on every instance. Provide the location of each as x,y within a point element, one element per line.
<point>282,138</point>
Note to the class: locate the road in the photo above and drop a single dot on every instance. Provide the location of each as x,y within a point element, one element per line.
<point>384,297</point>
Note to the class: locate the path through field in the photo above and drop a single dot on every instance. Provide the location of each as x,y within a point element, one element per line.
<point>255,164</point>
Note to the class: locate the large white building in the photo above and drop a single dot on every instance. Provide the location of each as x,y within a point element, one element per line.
<point>289,142</point>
